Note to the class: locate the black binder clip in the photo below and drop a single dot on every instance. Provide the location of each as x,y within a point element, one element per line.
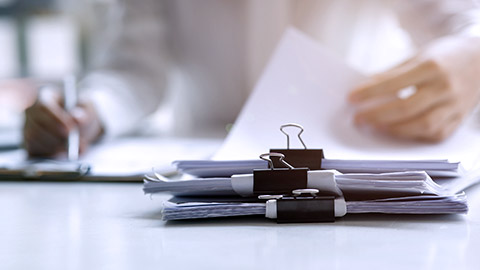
<point>310,158</point>
<point>278,180</point>
<point>301,207</point>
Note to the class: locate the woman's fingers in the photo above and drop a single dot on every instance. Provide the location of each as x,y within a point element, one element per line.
<point>447,129</point>
<point>433,125</point>
<point>392,81</point>
<point>57,124</point>
<point>86,118</point>
<point>451,64</point>
<point>39,141</point>
<point>400,110</point>
<point>422,116</point>
<point>46,128</point>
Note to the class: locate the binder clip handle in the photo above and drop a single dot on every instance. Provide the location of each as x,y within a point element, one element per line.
<point>279,155</point>
<point>270,197</point>
<point>298,135</point>
<point>306,192</point>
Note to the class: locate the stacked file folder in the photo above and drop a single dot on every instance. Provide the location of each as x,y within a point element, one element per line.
<point>316,189</point>
<point>408,192</point>
<point>361,172</point>
<point>409,205</point>
<point>215,168</point>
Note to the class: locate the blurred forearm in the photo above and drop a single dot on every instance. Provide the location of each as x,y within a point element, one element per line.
<point>427,20</point>
<point>128,75</point>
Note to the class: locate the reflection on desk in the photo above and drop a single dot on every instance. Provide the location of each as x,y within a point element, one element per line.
<point>114,226</point>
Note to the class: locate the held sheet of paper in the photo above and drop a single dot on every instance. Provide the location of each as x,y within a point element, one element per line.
<point>305,84</point>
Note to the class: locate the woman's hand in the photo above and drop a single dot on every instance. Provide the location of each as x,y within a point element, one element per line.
<point>446,76</point>
<point>47,126</point>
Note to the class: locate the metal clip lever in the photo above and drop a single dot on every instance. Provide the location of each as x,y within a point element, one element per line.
<point>278,180</point>
<point>310,158</point>
<point>288,136</point>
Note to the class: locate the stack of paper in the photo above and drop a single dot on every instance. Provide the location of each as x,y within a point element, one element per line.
<point>195,187</point>
<point>195,210</point>
<point>221,168</point>
<point>218,168</point>
<point>353,186</point>
<point>189,209</point>
<point>305,84</point>
<point>392,193</point>
<point>453,204</point>
<point>435,168</point>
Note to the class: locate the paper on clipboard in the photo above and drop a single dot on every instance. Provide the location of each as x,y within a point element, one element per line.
<point>122,159</point>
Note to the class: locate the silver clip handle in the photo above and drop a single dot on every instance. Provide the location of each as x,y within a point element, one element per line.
<point>288,136</point>
<point>312,191</point>
<point>279,155</point>
<point>270,197</point>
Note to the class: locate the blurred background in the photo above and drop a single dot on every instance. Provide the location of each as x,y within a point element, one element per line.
<point>50,26</point>
<point>48,39</point>
<point>60,48</point>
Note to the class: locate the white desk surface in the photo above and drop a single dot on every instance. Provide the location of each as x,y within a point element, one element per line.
<point>115,226</point>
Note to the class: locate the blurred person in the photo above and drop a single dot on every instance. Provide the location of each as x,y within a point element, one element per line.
<point>219,47</point>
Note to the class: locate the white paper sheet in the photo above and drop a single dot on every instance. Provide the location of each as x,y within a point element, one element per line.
<point>305,84</point>
<point>137,156</point>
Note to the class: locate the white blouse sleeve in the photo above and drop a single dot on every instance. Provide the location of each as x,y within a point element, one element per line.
<point>427,20</point>
<point>128,77</point>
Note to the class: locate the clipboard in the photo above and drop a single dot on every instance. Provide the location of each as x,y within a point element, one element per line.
<point>45,170</point>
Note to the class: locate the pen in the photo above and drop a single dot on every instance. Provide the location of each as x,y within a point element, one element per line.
<point>70,102</point>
